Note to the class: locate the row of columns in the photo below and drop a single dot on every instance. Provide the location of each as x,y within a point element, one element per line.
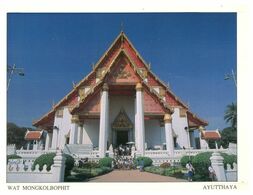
<point>76,128</point>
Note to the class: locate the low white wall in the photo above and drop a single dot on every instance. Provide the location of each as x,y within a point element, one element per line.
<point>19,172</point>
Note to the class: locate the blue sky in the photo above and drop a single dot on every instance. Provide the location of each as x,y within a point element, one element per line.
<point>191,51</point>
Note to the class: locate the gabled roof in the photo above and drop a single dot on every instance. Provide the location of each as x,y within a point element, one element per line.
<point>120,39</point>
<point>161,101</point>
<point>210,135</point>
<point>33,135</point>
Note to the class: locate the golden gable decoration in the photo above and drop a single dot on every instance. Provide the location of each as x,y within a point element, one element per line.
<point>143,72</point>
<point>182,112</point>
<point>100,72</point>
<point>161,92</point>
<point>122,121</point>
<point>81,93</point>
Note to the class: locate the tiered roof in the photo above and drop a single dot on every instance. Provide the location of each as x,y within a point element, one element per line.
<point>120,47</point>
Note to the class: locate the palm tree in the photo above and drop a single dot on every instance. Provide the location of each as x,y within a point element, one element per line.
<point>231,115</point>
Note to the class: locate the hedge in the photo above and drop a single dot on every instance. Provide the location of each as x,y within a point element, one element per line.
<point>48,159</point>
<point>202,161</point>
<point>105,162</point>
<point>146,161</point>
<point>13,156</point>
<point>185,159</point>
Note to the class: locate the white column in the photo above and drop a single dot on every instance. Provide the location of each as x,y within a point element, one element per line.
<point>103,126</point>
<point>55,138</point>
<point>218,166</point>
<point>74,129</point>
<point>28,145</point>
<point>80,134</point>
<point>48,141</point>
<point>140,120</point>
<point>135,126</point>
<point>168,134</point>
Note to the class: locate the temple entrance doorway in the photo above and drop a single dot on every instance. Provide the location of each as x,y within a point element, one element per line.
<point>122,137</point>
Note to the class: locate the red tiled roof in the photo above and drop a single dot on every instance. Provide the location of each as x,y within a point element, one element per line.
<point>214,135</point>
<point>33,135</point>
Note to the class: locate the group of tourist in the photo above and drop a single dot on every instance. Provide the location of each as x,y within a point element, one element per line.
<point>122,150</point>
<point>124,162</point>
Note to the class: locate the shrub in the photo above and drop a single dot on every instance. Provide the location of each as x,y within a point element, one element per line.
<point>69,164</point>
<point>90,165</point>
<point>229,159</point>
<point>200,163</point>
<point>146,161</point>
<point>13,156</point>
<point>105,162</point>
<point>44,159</point>
<point>185,159</point>
<point>165,165</point>
<point>154,169</point>
<point>48,159</point>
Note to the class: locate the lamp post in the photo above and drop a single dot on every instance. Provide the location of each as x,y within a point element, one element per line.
<point>13,70</point>
<point>231,76</point>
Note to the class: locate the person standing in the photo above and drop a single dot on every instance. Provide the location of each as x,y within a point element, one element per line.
<point>190,170</point>
<point>211,173</point>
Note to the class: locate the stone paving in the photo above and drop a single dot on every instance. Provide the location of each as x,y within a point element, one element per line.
<point>133,176</point>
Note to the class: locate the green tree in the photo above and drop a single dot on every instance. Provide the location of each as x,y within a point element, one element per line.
<point>228,135</point>
<point>15,135</point>
<point>231,115</point>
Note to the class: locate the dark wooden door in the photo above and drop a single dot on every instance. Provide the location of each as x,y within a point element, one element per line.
<point>122,137</point>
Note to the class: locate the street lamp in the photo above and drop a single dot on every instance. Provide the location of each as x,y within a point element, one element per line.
<point>231,76</point>
<point>13,70</point>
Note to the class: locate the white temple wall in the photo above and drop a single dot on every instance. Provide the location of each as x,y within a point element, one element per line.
<point>154,134</point>
<point>63,123</point>
<point>91,132</point>
<point>178,125</point>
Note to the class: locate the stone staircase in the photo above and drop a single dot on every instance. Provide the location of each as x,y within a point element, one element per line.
<point>78,150</point>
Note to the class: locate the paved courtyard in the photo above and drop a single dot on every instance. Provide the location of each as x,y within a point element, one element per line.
<point>133,176</point>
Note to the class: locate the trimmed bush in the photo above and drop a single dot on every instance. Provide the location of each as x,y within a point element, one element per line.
<point>201,162</point>
<point>165,165</point>
<point>105,162</point>
<point>229,159</point>
<point>185,159</point>
<point>90,165</point>
<point>154,169</point>
<point>146,161</point>
<point>171,171</point>
<point>44,159</point>
<point>13,156</point>
<point>91,172</point>
<point>48,159</point>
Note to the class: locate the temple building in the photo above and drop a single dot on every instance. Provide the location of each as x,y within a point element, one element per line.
<point>120,101</point>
